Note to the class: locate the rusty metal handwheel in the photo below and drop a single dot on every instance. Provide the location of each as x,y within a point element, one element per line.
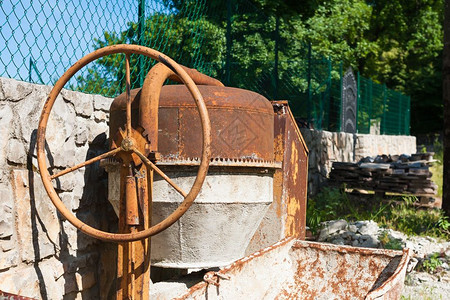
<point>127,144</point>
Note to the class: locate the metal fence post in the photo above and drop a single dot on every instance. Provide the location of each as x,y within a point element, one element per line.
<point>370,105</point>
<point>340,96</point>
<point>408,116</point>
<point>400,106</point>
<point>277,35</point>
<point>228,43</point>
<point>140,38</point>
<point>358,99</point>
<point>328,96</point>
<point>308,104</point>
<point>383,123</point>
<point>30,70</point>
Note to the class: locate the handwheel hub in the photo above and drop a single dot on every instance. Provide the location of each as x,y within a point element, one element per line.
<point>127,144</point>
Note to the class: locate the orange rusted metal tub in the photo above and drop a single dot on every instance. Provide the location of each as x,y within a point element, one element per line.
<point>294,269</point>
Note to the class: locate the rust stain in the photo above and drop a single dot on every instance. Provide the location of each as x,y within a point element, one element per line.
<point>277,192</point>
<point>293,206</point>
<point>9,296</point>
<point>293,161</point>
<point>278,176</point>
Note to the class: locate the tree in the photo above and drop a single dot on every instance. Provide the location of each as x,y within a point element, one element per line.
<point>181,39</point>
<point>339,30</point>
<point>409,35</point>
<point>397,42</point>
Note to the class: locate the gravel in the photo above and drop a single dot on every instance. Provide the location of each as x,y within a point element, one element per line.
<point>434,284</point>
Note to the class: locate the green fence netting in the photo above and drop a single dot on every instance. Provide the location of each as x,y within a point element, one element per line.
<point>234,41</point>
<point>381,110</point>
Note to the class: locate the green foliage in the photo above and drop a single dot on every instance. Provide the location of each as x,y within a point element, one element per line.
<point>409,35</point>
<point>438,148</point>
<point>338,29</point>
<point>443,223</point>
<point>394,41</point>
<point>425,292</point>
<point>438,176</point>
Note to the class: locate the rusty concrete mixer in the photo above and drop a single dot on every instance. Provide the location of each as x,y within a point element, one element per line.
<point>239,156</point>
<point>234,197</point>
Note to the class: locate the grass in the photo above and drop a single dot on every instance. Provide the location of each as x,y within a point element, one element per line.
<point>397,213</point>
<point>424,293</point>
<point>438,169</point>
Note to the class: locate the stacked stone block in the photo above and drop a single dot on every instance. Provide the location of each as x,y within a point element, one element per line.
<point>326,147</point>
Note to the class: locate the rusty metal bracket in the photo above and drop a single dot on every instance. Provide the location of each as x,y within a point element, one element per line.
<point>214,278</point>
<point>222,162</point>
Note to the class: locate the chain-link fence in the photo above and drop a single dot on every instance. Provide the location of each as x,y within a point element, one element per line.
<point>234,41</point>
<point>41,39</point>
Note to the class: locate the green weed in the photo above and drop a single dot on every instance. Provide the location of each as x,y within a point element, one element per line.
<point>430,264</point>
<point>327,205</point>
<point>334,203</point>
<point>389,242</point>
<point>443,223</point>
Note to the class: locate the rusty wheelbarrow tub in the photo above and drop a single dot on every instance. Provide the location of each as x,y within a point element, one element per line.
<point>8,296</point>
<point>295,269</point>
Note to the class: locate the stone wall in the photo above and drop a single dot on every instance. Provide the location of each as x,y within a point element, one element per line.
<point>326,147</point>
<point>41,254</point>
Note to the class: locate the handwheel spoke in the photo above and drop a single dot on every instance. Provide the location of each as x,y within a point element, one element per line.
<point>128,93</point>
<point>161,173</point>
<point>88,162</point>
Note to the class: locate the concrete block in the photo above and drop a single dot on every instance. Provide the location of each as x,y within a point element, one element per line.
<point>96,131</point>
<point>81,134</point>
<point>61,127</point>
<point>71,236</point>
<point>85,279</point>
<point>27,113</point>
<point>69,153</point>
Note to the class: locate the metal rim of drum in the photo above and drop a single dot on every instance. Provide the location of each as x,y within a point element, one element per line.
<point>206,149</point>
